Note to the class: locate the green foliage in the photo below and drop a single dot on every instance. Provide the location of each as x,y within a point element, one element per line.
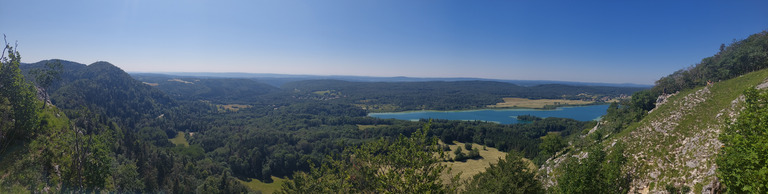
<point>671,188</point>
<point>127,178</point>
<point>45,77</point>
<point>510,175</point>
<point>675,190</point>
<point>597,173</point>
<point>621,115</point>
<point>18,108</point>
<point>528,118</point>
<point>459,156</point>
<point>551,143</point>
<point>282,133</point>
<point>685,189</point>
<point>457,151</point>
<point>743,160</point>
<point>107,90</point>
<point>644,100</point>
<point>741,57</point>
<point>224,91</point>
<point>474,154</point>
<point>403,165</point>
<point>221,184</point>
<point>90,165</point>
<point>524,138</point>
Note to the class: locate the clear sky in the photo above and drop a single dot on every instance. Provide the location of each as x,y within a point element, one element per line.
<point>590,41</point>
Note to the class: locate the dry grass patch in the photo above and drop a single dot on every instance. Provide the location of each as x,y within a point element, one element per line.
<point>364,127</point>
<point>232,107</point>
<point>324,92</point>
<point>151,84</point>
<point>180,139</point>
<point>471,167</point>
<point>179,80</point>
<point>266,188</point>
<point>539,103</point>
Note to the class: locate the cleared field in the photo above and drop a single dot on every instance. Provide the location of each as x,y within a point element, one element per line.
<point>324,92</point>
<point>266,188</point>
<point>232,107</point>
<point>538,103</point>
<point>179,80</point>
<point>364,127</point>
<point>472,167</point>
<point>180,139</point>
<point>151,84</point>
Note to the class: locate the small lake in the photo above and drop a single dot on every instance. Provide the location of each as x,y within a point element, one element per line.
<point>503,116</point>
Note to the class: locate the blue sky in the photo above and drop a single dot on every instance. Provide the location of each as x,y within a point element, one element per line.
<point>589,41</point>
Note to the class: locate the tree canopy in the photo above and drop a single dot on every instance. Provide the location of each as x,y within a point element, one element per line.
<point>743,159</point>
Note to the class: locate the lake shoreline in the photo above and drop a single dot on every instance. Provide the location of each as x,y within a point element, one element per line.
<point>556,107</point>
<point>502,116</point>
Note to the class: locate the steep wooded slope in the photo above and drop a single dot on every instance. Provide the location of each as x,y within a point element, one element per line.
<point>105,89</point>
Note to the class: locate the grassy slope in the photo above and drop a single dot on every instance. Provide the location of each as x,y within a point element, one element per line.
<point>14,162</point>
<point>676,143</point>
<point>537,103</point>
<point>472,167</point>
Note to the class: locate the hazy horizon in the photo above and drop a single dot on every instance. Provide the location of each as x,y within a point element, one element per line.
<point>590,41</point>
<point>417,77</point>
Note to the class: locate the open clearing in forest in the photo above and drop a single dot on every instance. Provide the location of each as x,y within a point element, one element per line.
<point>324,92</point>
<point>232,107</point>
<point>472,167</point>
<point>538,103</point>
<point>364,127</point>
<point>179,80</point>
<point>266,188</point>
<point>180,139</point>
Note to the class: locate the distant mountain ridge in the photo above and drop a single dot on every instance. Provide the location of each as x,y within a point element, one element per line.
<point>279,79</point>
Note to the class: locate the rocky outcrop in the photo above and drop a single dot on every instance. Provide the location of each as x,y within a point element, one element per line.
<point>42,95</point>
<point>661,100</point>
<point>666,153</point>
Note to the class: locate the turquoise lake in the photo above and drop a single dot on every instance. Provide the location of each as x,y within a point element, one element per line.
<point>503,116</point>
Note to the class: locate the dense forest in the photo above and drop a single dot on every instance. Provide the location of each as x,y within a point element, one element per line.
<point>216,90</point>
<point>115,131</point>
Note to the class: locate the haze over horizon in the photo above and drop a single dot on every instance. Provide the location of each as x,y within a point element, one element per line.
<point>586,41</point>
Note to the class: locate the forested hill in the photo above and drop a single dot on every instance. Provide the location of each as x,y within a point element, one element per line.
<point>104,89</point>
<point>217,90</point>
<point>440,95</point>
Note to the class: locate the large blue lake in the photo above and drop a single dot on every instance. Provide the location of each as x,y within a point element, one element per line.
<point>503,116</point>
